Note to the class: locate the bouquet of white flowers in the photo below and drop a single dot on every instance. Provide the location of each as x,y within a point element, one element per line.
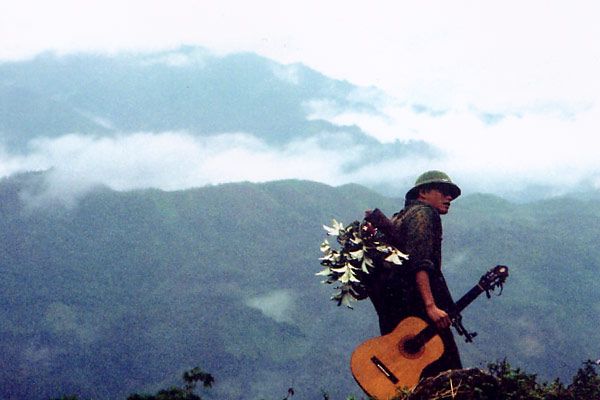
<point>349,266</point>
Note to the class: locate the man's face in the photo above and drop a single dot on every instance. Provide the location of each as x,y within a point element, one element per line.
<point>438,197</point>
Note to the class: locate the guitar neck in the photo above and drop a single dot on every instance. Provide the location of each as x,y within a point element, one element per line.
<point>468,298</point>
<point>461,304</point>
<point>493,278</point>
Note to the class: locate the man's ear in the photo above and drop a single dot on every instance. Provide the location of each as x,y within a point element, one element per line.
<point>423,191</point>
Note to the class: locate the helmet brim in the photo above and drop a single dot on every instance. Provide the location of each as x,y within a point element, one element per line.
<point>452,188</point>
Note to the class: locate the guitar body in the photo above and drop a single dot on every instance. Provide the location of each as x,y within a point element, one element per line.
<point>382,366</point>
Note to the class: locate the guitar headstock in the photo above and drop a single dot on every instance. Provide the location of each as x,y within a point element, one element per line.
<point>494,278</point>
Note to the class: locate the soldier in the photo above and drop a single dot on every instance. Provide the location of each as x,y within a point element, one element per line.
<point>418,288</point>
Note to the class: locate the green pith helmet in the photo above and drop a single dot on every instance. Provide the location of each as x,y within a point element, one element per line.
<point>437,177</point>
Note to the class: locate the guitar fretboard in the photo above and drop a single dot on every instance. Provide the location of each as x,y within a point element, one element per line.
<point>413,345</point>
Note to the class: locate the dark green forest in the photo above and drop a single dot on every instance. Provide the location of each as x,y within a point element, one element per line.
<point>122,291</point>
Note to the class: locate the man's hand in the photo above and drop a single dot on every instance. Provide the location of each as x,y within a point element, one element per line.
<point>378,219</point>
<point>374,215</point>
<point>440,318</point>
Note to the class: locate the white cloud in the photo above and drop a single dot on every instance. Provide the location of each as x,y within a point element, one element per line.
<point>169,161</point>
<point>498,55</point>
<point>191,57</point>
<point>277,304</point>
<point>534,64</point>
<point>508,155</point>
<point>501,158</point>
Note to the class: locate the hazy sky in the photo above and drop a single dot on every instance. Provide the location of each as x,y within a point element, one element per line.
<point>510,88</point>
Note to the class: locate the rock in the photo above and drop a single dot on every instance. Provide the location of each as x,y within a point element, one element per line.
<point>461,384</point>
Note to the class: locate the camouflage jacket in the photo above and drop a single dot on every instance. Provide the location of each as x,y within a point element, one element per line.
<point>417,231</point>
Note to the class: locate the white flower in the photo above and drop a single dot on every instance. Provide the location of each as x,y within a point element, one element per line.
<point>347,274</point>
<point>383,248</point>
<point>343,298</point>
<point>352,260</point>
<point>396,257</point>
<point>358,254</point>
<point>366,262</point>
<point>332,256</point>
<point>356,239</point>
<point>335,229</point>
<point>340,270</point>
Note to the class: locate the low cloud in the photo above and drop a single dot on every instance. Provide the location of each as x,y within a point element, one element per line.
<point>277,304</point>
<point>504,155</point>
<point>172,161</point>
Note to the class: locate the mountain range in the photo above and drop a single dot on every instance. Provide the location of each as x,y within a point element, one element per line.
<point>188,89</point>
<point>123,291</point>
<point>113,290</point>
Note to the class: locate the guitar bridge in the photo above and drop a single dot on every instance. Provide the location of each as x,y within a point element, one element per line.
<point>385,370</point>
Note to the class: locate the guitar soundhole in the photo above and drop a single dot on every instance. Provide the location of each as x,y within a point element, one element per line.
<point>408,349</point>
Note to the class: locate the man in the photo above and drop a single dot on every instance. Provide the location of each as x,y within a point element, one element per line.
<point>417,288</point>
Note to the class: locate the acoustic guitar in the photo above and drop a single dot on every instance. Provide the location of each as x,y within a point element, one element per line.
<point>383,365</point>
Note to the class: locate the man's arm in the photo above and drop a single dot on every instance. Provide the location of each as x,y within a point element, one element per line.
<point>439,317</point>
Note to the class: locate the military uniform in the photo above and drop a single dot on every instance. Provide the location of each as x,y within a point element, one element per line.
<point>417,231</point>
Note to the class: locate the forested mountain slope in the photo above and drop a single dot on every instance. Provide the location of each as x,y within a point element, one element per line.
<point>122,291</point>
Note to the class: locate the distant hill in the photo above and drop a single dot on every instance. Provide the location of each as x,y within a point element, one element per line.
<point>53,101</point>
<point>124,290</point>
<point>187,89</point>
